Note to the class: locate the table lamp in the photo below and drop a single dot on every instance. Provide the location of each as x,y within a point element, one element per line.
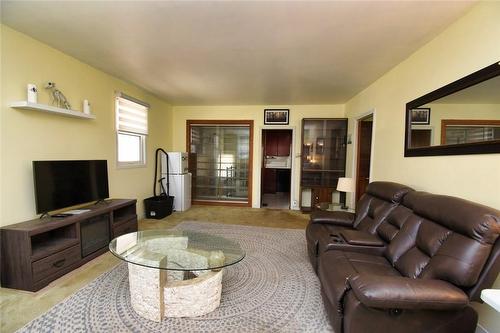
<point>345,185</point>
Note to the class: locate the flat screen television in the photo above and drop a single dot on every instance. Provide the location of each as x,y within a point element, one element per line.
<point>60,184</point>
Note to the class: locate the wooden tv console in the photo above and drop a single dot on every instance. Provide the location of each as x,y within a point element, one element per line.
<point>36,252</point>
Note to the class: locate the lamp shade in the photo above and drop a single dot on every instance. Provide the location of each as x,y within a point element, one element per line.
<point>345,185</point>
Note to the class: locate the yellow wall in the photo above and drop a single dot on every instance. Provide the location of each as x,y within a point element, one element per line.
<point>468,45</point>
<point>30,135</point>
<point>255,113</point>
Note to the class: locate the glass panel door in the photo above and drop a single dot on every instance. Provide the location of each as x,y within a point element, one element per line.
<point>323,151</point>
<point>220,157</point>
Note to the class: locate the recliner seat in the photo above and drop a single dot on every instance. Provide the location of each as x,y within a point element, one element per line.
<point>444,252</point>
<point>372,209</point>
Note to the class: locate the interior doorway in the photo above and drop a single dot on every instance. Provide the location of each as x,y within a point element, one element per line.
<point>276,168</point>
<point>421,137</point>
<point>363,158</point>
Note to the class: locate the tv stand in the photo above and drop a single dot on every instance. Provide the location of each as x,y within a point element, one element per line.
<point>44,214</point>
<point>101,200</point>
<point>35,253</point>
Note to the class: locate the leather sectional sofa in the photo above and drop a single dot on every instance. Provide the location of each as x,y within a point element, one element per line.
<point>407,261</point>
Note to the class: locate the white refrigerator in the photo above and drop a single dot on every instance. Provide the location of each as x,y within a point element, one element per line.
<point>179,178</point>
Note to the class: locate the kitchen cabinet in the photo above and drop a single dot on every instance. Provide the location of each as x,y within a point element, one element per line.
<point>269,182</point>
<point>277,142</point>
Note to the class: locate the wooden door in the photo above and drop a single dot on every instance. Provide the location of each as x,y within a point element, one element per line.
<point>420,138</point>
<point>365,128</point>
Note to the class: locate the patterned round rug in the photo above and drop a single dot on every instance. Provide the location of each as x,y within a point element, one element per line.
<point>273,289</point>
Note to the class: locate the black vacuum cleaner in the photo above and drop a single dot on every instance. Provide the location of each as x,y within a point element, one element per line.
<point>159,206</point>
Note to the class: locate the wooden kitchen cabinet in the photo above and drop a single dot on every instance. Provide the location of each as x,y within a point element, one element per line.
<point>284,141</point>
<point>269,180</point>
<point>277,142</point>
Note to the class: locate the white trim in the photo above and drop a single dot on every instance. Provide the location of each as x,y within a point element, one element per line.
<point>372,112</point>
<point>293,195</point>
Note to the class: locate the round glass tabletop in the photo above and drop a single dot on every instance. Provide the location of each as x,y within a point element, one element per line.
<point>176,250</point>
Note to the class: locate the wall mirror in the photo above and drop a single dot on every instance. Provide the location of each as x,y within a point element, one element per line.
<point>462,117</point>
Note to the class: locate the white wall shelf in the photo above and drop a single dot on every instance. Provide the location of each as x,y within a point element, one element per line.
<point>51,109</point>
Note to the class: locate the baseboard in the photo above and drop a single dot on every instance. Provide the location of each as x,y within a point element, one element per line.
<point>481,329</point>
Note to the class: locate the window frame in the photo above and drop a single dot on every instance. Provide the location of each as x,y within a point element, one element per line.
<point>142,162</point>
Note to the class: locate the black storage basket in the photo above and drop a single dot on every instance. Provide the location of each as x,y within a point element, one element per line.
<point>159,206</point>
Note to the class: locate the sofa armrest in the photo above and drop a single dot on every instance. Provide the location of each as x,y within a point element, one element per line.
<point>337,218</point>
<point>360,238</point>
<point>394,292</point>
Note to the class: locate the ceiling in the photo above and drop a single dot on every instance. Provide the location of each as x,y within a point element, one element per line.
<point>230,53</point>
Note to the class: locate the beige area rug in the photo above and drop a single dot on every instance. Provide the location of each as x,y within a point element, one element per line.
<point>273,289</point>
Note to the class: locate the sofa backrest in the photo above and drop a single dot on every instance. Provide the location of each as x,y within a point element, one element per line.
<point>445,238</point>
<point>393,230</point>
<point>376,203</point>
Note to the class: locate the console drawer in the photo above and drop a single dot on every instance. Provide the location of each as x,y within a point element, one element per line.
<point>125,228</point>
<point>52,264</point>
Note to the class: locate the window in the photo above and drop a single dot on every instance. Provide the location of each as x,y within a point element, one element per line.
<point>132,129</point>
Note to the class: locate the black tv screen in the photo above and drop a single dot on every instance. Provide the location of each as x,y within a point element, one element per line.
<point>60,184</point>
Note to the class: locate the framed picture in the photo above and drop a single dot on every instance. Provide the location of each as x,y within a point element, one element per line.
<point>420,116</point>
<point>276,116</point>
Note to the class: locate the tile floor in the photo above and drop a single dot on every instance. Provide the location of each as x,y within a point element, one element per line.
<point>278,200</point>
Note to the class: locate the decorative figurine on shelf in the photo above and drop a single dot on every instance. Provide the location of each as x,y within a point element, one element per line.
<point>58,98</point>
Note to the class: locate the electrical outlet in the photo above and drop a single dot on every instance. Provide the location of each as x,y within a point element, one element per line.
<point>294,203</point>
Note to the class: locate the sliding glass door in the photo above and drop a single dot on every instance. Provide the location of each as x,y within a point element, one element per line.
<point>220,161</point>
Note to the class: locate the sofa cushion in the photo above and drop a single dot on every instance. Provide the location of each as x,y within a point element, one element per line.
<point>470,219</point>
<point>396,292</point>
<point>336,266</point>
<point>371,213</point>
<point>388,191</point>
<point>393,223</point>
<point>335,218</point>
<point>355,237</point>
<point>451,243</point>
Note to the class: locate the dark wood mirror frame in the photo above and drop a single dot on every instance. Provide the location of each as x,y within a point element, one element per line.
<point>458,149</point>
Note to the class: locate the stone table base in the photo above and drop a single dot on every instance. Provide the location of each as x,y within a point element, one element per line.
<point>157,293</point>
<point>195,297</point>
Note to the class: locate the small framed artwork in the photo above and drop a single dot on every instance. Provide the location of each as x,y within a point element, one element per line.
<point>276,116</point>
<point>420,116</point>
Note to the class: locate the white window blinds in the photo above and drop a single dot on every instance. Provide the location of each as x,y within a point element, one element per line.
<point>131,117</point>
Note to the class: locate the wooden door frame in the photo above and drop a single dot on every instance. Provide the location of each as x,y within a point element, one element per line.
<point>355,159</point>
<point>190,123</point>
<point>293,201</point>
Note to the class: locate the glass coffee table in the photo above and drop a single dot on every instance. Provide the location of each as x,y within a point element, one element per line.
<point>175,273</point>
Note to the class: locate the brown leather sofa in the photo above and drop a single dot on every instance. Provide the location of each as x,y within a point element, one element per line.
<point>373,207</point>
<point>436,254</point>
